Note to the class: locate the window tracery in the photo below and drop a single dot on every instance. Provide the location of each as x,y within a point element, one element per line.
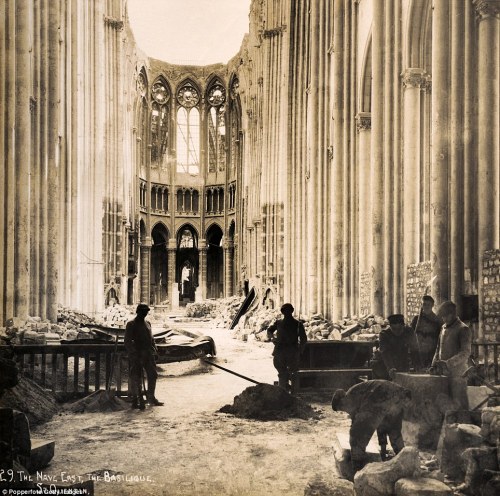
<point>188,130</point>
<point>216,97</point>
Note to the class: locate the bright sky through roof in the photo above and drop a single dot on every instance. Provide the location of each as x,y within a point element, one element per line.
<point>197,32</point>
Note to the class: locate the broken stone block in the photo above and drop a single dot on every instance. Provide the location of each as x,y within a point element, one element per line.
<point>456,439</point>
<point>490,483</point>
<point>42,451</point>
<point>342,454</point>
<point>350,330</point>
<point>476,461</point>
<point>490,424</point>
<point>379,479</point>
<point>421,487</point>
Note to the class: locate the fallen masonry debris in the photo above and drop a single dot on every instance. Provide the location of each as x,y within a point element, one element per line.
<point>267,402</point>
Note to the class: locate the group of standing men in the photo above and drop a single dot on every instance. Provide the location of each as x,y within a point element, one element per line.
<point>439,344</point>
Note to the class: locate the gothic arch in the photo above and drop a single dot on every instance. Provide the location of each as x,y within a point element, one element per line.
<point>190,227</point>
<point>419,35</point>
<point>365,94</point>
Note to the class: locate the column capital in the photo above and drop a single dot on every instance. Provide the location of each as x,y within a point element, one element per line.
<point>363,121</point>
<point>414,78</point>
<point>487,8</point>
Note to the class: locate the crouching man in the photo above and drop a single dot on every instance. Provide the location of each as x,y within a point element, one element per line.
<point>376,405</point>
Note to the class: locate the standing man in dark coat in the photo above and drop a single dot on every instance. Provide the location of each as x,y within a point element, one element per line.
<point>289,343</point>
<point>398,345</point>
<point>373,406</point>
<point>141,350</point>
<point>427,326</point>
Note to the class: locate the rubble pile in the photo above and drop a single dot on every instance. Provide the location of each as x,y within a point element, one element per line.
<point>226,311</point>
<point>99,401</point>
<point>266,402</point>
<point>200,310</point>
<point>34,330</point>
<point>38,404</point>
<point>70,316</point>
<point>116,316</point>
<point>256,321</point>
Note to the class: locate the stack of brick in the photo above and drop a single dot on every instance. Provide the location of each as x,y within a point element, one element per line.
<point>491,294</point>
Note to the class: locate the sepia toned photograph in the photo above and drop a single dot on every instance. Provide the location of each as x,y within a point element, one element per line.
<point>250,247</point>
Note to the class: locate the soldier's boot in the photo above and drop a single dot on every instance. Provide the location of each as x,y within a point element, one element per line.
<point>142,404</point>
<point>357,465</point>
<point>135,402</point>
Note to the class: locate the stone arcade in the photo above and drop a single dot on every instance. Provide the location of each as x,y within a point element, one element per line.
<point>346,154</point>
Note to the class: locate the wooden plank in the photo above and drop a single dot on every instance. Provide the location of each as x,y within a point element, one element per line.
<point>86,385</point>
<point>65,373</point>
<point>54,372</point>
<point>119,359</point>
<point>43,367</point>
<point>76,366</point>
<point>97,365</point>
<point>32,366</point>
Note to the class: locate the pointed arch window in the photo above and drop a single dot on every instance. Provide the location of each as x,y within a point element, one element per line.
<point>216,98</point>
<point>159,122</point>
<point>188,130</point>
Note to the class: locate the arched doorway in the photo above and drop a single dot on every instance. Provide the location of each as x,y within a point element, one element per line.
<point>215,263</point>
<point>159,265</point>
<point>187,264</point>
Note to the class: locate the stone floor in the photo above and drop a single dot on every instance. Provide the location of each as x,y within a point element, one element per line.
<point>185,447</point>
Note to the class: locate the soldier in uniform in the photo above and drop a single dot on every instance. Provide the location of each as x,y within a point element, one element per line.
<point>453,352</point>
<point>376,405</point>
<point>289,343</point>
<point>141,350</point>
<point>398,345</point>
<point>427,326</point>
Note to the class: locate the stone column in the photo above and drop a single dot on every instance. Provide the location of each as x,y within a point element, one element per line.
<point>457,168</point>
<point>337,174</point>
<point>363,120</point>
<point>440,143</point>
<point>228,269</point>
<point>22,157</point>
<point>489,132</point>
<point>413,80</point>
<point>174,287</point>
<point>201,291</point>
<point>377,157</point>
<point>145,270</point>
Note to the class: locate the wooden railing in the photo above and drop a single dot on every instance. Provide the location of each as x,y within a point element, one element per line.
<point>74,369</point>
<point>486,355</point>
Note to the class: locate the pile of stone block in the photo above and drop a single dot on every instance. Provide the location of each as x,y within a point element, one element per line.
<point>256,322</point>
<point>225,311</point>
<point>365,328</point>
<point>469,453</point>
<point>34,330</point>
<point>201,310</point>
<point>116,316</point>
<point>69,316</point>
<point>401,476</point>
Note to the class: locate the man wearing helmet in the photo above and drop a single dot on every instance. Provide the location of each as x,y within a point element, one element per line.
<point>289,338</point>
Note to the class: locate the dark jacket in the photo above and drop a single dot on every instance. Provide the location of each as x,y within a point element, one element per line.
<point>290,333</point>
<point>396,351</point>
<point>374,396</point>
<point>139,338</point>
<point>455,343</point>
<point>429,327</point>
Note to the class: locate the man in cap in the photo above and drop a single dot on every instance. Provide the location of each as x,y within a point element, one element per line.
<point>427,326</point>
<point>453,352</point>
<point>376,405</point>
<point>141,350</point>
<point>289,342</point>
<point>397,345</point>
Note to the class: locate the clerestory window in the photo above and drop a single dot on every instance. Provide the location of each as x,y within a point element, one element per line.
<point>188,130</point>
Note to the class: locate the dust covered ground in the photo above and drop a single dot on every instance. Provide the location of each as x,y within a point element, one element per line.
<point>186,447</point>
